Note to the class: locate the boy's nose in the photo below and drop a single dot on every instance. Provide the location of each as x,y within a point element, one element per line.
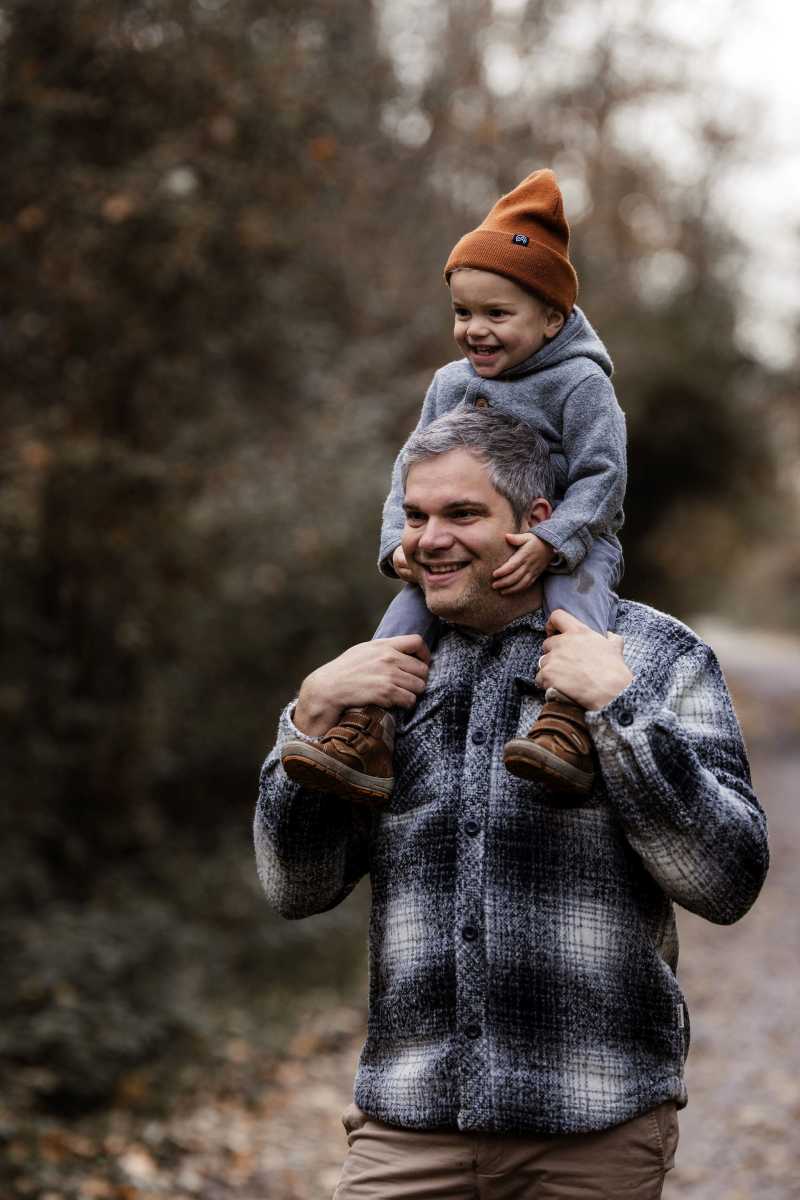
<point>477,328</point>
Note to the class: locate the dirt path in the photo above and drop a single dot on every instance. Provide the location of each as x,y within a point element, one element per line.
<point>739,1132</point>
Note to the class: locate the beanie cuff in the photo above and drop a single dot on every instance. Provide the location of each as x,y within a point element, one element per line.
<point>534,266</point>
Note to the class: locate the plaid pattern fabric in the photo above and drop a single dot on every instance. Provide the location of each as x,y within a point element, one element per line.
<point>522,954</point>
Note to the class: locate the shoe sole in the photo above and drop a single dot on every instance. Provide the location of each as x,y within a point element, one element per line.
<point>526,760</point>
<point>313,768</point>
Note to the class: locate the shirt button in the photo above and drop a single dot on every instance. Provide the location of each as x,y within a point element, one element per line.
<point>469,933</point>
<point>473,1032</point>
<point>479,736</point>
<point>626,717</point>
<point>482,402</point>
<point>472,828</point>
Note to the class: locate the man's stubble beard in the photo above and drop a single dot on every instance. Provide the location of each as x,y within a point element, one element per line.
<point>478,604</point>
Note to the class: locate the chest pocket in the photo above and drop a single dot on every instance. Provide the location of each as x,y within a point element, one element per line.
<point>531,703</point>
<point>418,753</point>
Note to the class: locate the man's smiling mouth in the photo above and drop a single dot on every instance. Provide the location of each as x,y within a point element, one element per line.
<point>442,568</point>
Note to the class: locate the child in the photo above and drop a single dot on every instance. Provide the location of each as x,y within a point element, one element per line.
<point>529,351</point>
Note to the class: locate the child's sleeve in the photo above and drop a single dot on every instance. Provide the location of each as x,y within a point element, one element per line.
<point>593,440</point>
<point>393,515</point>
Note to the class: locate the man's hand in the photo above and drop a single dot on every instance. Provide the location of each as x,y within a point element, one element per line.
<point>389,671</point>
<point>584,665</point>
<point>525,565</point>
<point>400,564</point>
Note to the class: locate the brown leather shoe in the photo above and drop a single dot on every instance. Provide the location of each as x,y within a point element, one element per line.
<point>557,751</point>
<point>353,760</point>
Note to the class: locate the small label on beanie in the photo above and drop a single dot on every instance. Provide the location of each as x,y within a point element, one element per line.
<point>520,239</point>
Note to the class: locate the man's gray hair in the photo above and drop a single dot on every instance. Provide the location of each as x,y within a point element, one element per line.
<point>516,456</point>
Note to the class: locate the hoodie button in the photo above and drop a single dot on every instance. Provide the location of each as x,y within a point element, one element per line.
<point>481,402</point>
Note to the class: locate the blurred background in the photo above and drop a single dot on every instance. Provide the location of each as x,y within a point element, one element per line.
<point>222,229</point>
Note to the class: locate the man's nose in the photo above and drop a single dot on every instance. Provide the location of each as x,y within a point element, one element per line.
<point>436,535</point>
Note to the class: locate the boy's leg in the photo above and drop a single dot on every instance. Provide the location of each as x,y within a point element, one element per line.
<point>408,613</point>
<point>354,759</point>
<point>558,750</point>
<point>588,593</point>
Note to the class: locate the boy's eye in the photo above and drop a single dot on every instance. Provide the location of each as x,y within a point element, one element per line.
<point>498,312</point>
<point>461,313</point>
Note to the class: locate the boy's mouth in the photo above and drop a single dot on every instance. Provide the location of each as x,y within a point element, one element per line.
<point>483,351</point>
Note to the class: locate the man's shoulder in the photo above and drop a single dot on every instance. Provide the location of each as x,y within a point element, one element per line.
<point>661,635</point>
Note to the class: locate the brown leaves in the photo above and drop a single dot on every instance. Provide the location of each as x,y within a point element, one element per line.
<point>118,208</point>
<point>323,149</point>
<point>31,218</point>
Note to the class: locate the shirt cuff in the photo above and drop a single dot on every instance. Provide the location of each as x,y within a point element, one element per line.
<point>288,731</point>
<point>635,708</point>
<point>570,550</point>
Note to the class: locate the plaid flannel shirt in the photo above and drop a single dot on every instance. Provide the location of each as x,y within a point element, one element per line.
<point>523,954</point>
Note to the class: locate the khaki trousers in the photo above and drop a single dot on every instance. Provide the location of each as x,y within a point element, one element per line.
<point>627,1162</point>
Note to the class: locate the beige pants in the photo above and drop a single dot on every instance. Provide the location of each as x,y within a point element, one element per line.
<point>627,1162</point>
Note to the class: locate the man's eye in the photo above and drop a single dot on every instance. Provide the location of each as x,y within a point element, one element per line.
<point>462,513</point>
<point>413,518</point>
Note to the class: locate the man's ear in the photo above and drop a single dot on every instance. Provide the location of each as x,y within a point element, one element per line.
<point>540,510</point>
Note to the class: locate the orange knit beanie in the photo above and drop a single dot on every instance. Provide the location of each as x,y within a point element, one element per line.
<point>526,238</point>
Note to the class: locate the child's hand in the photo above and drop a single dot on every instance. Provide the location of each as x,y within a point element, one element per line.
<point>400,564</point>
<point>525,565</point>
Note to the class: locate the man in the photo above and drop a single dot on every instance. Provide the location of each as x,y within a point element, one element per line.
<point>526,1032</point>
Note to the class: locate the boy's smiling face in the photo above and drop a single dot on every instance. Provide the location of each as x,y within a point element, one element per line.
<point>497,323</point>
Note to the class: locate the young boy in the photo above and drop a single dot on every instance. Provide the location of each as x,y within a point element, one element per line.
<point>530,352</point>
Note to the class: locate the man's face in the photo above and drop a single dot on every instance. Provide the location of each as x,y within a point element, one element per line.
<point>497,323</point>
<point>454,538</point>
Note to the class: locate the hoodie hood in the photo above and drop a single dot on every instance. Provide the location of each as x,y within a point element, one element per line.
<point>576,339</point>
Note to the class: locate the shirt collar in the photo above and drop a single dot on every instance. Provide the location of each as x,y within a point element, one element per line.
<point>532,622</point>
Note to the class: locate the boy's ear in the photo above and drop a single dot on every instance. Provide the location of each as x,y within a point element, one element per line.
<point>554,323</point>
<point>540,510</point>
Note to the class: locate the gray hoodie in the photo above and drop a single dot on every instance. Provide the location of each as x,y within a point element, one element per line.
<point>564,391</point>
